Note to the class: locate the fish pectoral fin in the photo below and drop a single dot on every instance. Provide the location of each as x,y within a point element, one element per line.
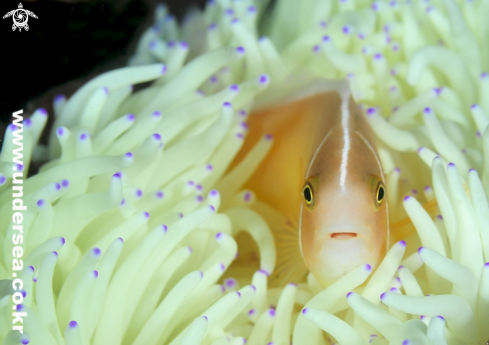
<point>290,266</point>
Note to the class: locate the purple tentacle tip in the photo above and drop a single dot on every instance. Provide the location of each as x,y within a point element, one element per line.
<point>212,26</point>
<point>382,296</point>
<point>234,88</point>
<point>406,342</point>
<point>264,272</point>
<point>420,249</point>
<point>96,251</point>
<point>218,235</point>
<point>146,215</point>
<point>157,113</point>
<point>304,311</point>
<point>213,193</point>
<point>213,209</point>
<point>239,135</point>
<point>473,106</point>
<point>371,111</point>
<point>316,48</point>
<point>271,312</point>
<point>27,122</point>
<point>40,202</point>
<point>65,183</point>
<point>31,268</point>
<point>247,196</point>
<point>252,9</point>
<point>406,198</point>
<point>226,104</point>
<point>420,149</point>
<point>264,79</point>
<point>2,180</point>
<point>451,165</point>
<point>164,227</point>
<point>268,136</point>
<point>184,45</point>
<point>159,194</point>
<point>240,50</point>
<point>326,38</point>
<point>19,306</point>
<point>402,243</point>
<point>349,294</point>
<point>128,155</point>
<point>73,324</point>
<point>25,341</point>
<point>251,311</point>
<point>427,110</point>
<point>123,201</point>
<point>205,317</point>
<point>486,264</point>
<point>130,117</point>
<point>484,75</point>
<point>368,267</point>
<point>157,136</point>
<point>163,69</point>
<point>378,56</point>
<point>63,241</point>
<point>199,187</point>
<point>120,239</point>
<point>139,193</point>
<point>95,273</point>
<point>253,287</point>
<point>239,293</point>
<point>180,215</point>
<point>60,131</point>
<point>441,317</point>
<point>55,253</point>
<point>117,175</point>
<point>346,30</point>
<point>234,21</point>
<point>209,167</point>
<point>222,266</point>
<point>58,186</point>
<point>58,98</point>
<point>199,198</point>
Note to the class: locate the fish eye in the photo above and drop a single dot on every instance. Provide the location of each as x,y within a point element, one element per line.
<point>307,194</point>
<point>380,195</point>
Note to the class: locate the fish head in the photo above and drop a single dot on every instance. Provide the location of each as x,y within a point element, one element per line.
<point>344,219</point>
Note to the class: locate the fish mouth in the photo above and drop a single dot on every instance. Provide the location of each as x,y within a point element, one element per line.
<point>346,232</point>
<point>343,235</point>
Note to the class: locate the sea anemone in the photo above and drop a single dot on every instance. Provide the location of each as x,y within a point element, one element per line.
<point>132,225</point>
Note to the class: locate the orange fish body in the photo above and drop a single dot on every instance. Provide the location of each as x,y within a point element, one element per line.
<point>323,174</point>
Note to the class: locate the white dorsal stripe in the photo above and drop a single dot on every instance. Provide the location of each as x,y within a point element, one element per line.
<point>345,119</point>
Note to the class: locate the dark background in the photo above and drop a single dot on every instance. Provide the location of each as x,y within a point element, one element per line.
<point>71,42</point>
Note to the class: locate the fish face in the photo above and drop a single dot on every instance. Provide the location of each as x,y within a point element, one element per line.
<point>342,229</point>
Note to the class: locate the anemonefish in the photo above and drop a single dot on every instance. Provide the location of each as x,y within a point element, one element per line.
<point>323,174</point>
